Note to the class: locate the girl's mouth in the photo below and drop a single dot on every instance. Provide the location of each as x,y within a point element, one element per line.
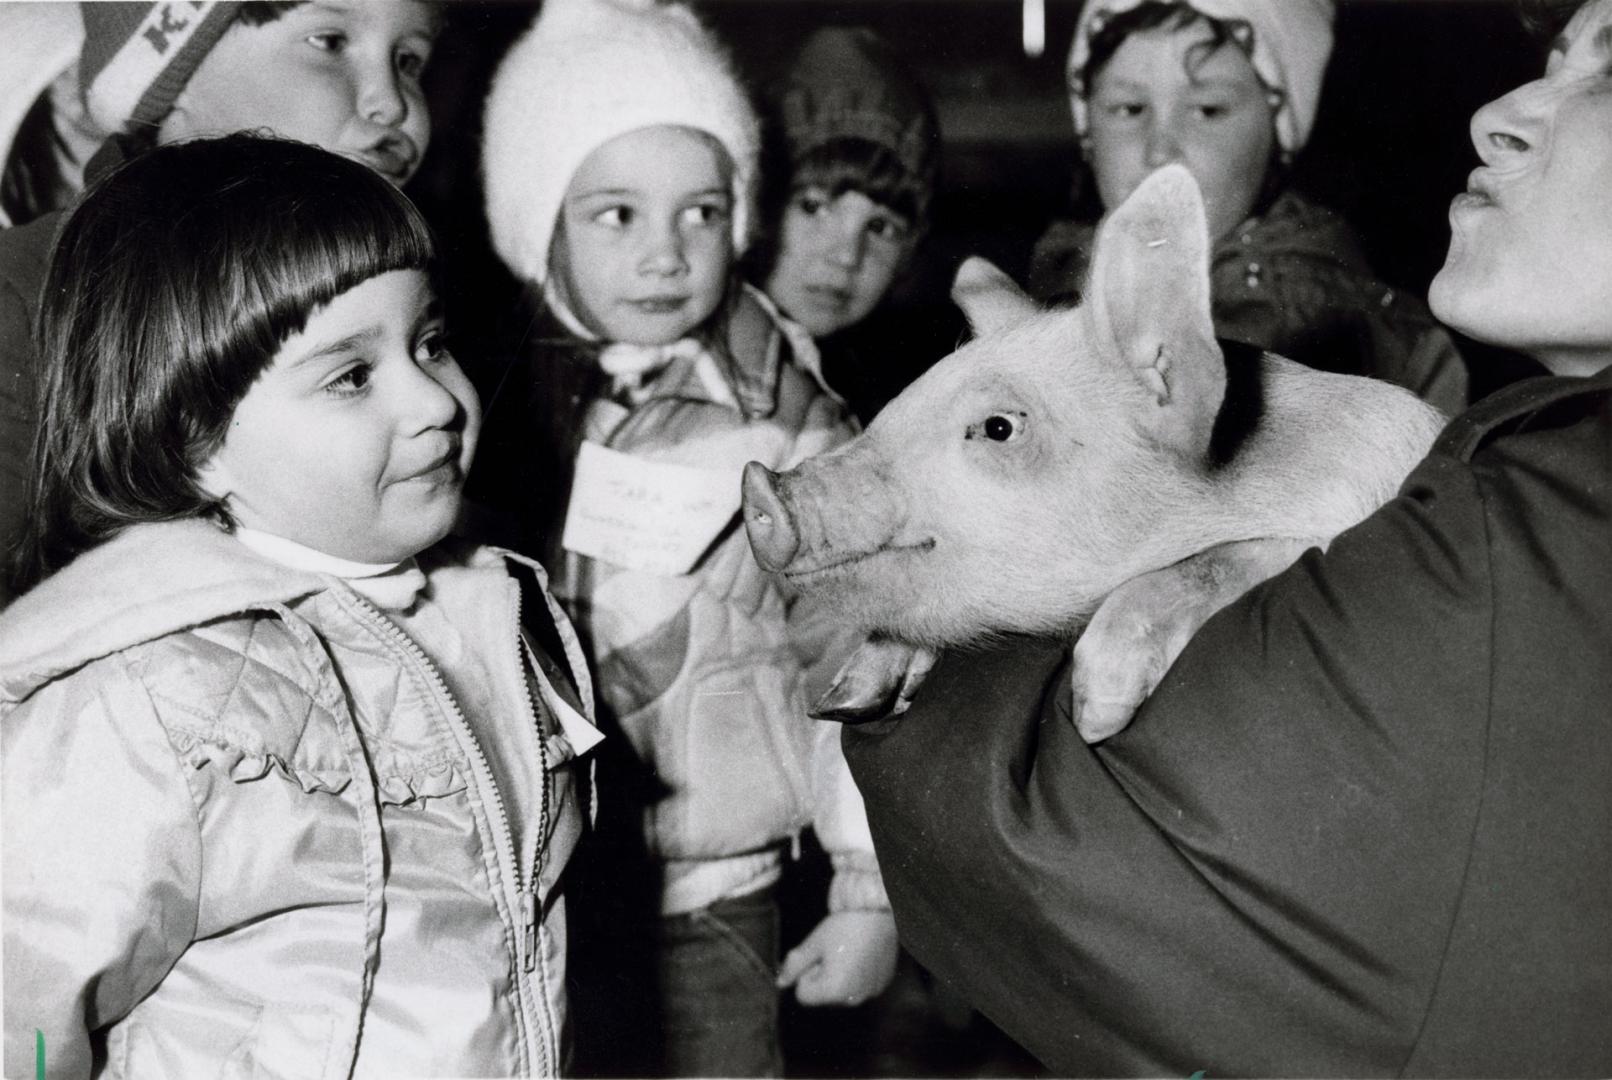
<point>660,305</point>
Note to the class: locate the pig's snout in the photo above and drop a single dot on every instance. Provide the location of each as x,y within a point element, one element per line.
<point>773,538</point>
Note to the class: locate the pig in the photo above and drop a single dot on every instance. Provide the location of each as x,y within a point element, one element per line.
<point>1062,454</point>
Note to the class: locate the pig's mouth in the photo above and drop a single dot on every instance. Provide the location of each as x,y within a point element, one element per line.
<point>817,573</point>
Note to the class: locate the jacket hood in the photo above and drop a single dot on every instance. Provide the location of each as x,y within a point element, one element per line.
<point>148,581</point>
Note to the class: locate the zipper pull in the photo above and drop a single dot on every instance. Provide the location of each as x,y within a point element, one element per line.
<point>529,928</point>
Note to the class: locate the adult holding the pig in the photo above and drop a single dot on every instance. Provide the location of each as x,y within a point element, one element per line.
<point>1364,826</point>
<point>1229,88</point>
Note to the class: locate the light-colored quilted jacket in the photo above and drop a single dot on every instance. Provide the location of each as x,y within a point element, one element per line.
<point>707,672</point>
<point>248,832</point>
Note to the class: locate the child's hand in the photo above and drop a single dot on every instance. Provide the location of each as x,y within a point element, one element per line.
<point>848,958</point>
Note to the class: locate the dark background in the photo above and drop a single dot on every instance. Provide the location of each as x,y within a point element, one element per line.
<point>1389,150</point>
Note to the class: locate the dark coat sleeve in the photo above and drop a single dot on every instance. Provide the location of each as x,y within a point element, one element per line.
<point>1272,871</point>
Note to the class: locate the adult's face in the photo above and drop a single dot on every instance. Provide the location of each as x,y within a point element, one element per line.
<point>1530,262</point>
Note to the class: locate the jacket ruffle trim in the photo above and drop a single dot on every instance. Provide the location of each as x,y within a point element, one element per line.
<point>316,772</point>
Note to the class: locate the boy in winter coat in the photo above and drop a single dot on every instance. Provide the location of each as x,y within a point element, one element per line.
<point>1230,88</point>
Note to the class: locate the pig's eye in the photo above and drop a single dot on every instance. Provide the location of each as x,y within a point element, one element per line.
<point>998,428</point>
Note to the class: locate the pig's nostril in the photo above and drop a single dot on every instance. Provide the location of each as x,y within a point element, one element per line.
<point>772,534</point>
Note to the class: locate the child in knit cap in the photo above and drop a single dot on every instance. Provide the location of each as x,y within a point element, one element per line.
<point>853,160</point>
<point>345,77</point>
<point>1230,88</point>
<point>620,164</point>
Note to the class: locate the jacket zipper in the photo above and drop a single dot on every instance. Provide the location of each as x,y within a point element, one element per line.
<point>527,893</point>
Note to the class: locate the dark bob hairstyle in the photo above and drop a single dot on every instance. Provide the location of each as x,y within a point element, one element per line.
<point>173,283</point>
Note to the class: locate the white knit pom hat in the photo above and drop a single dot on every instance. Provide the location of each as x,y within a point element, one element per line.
<point>586,72</point>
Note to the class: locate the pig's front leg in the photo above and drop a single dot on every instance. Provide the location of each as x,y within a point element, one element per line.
<point>878,680</point>
<point>1142,626</point>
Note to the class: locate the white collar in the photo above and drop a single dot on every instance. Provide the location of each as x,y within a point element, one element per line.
<point>392,586</point>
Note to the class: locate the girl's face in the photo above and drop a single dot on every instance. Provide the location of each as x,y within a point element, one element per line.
<point>357,438</point>
<point>1165,97</point>
<point>1530,261</point>
<point>836,258</point>
<point>340,75</point>
<point>645,238</point>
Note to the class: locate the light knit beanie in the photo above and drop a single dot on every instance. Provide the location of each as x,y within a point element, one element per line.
<point>847,83</point>
<point>138,57</point>
<point>1291,43</point>
<point>586,72</point>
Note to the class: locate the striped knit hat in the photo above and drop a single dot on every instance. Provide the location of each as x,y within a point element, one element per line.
<point>138,57</point>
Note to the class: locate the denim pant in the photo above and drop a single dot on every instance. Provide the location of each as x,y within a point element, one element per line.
<point>719,1005</point>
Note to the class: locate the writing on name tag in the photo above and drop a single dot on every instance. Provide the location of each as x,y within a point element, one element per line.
<point>646,515</point>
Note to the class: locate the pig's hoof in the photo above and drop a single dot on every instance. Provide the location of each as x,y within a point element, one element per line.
<point>1098,720</point>
<point>855,701</point>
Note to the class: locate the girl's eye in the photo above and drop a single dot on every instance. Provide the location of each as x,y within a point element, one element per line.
<point>410,64</point>
<point>353,380</point>
<point>1212,112</point>
<point>1125,110</point>
<point>433,347</point>
<point>810,203</point>
<point>999,427</point>
<point>615,217</point>
<point>887,228</point>
<point>705,213</point>
<point>330,41</point>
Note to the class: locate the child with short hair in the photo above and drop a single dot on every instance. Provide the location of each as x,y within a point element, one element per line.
<point>283,765</point>
<point>1230,89</point>
<point>342,76</point>
<point>853,157</point>
<point>619,162</point>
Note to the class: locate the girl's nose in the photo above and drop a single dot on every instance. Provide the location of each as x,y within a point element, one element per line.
<point>1509,128</point>
<point>380,97</point>
<point>847,245</point>
<point>664,255</point>
<point>1162,147</point>
<point>427,403</point>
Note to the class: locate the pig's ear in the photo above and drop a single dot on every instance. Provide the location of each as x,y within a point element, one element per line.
<point>989,297</point>
<point>1149,297</point>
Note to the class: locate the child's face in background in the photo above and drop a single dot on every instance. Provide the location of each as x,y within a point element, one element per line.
<point>1163,98</point>
<point>357,438</point>
<point>836,258</point>
<point>645,239</point>
<point>1530,259</point>
<point>341,75</point>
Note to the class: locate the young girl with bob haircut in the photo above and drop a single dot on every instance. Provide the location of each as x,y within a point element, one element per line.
<point>289,775</point>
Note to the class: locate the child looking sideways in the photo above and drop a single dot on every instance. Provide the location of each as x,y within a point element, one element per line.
<point>344,76</point>
<point>620,160</point>
<point>1229,88</point>
<point>851,174</point>
<point>283,765</point>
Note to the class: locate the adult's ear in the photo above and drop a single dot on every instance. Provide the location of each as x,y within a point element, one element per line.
<point>1149,300</point>
<point>989,298</point>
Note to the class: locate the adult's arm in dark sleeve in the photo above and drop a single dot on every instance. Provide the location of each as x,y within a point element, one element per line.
<point>1260,875</point>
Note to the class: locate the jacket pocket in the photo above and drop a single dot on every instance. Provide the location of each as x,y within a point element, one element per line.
<point>743,786</point>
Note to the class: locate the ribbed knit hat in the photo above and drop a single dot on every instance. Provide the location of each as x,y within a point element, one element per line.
<point>847,83</point>
<point>1290,43</point>
<point>138,57</point>
<point>586,72</point>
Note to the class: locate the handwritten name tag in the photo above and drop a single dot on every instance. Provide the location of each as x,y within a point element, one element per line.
<point>646,515</point>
